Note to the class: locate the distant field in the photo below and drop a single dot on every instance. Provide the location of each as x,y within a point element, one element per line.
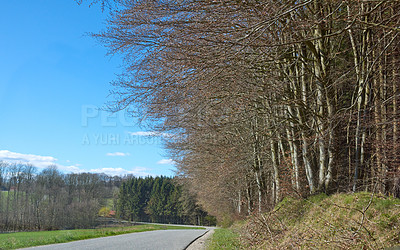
<point>29,239</point>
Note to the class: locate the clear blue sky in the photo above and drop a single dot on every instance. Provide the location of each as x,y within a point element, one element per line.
<point>52,80</point>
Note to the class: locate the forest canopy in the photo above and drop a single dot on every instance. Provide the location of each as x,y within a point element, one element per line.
<point>265,99</point>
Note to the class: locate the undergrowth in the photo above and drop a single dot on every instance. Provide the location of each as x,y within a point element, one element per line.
<point>341,221</point>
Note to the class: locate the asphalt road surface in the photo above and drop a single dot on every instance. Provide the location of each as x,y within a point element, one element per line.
<point>160,239</point>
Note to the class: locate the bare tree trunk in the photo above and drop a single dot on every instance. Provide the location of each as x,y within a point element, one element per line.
<point>296,166</point>
<point>331,143</point>
<point>292,137</point>
<point>274,152</point>
<point>257,161</point>
<point>239,206</point>
<point>248,197</point>
<point>293,147</point>
<point>361,68</point>
<point>395,151</point>
<point>302,121</point>
<point>378,123</point>
<point>383,112</point>
<point>259,190</point>
<point>320,75</point>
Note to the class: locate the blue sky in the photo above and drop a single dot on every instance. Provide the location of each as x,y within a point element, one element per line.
<point>53,80</point>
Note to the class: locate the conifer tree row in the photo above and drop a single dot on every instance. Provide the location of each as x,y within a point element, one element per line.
<point>159,200</point>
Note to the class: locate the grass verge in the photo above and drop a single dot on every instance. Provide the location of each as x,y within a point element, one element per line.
<point>224,238</point>
<point>30,239</point>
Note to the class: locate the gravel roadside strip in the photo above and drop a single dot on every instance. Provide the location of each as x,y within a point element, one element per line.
<point>201,243</point>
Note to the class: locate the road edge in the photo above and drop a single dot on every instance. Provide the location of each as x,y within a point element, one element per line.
<point>198,241</point>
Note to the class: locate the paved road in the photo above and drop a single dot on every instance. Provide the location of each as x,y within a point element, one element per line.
<point>160,239</point>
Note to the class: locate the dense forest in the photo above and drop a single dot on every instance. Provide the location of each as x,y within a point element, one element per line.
<point>265,99</point>
<point>159,200</point>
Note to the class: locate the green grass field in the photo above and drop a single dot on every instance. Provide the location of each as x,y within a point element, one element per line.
<point>224,238</point>
<point>29,239</point>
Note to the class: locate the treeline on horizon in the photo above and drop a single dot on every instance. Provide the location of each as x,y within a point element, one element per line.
<point>51,200</point>
<point>265,99</point>
<point>159,200</point>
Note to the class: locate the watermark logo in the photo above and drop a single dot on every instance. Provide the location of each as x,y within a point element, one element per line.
<point>117,139</point>
<point>92,113</point>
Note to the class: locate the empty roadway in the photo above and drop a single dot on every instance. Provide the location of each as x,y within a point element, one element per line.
<point>160,239</point>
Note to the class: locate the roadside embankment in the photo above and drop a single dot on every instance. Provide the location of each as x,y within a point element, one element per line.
<point>340,221</point>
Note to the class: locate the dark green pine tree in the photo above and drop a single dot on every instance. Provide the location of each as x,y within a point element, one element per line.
<point>134,204</point>
<point>122,204</point>
<point>154,206</point>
